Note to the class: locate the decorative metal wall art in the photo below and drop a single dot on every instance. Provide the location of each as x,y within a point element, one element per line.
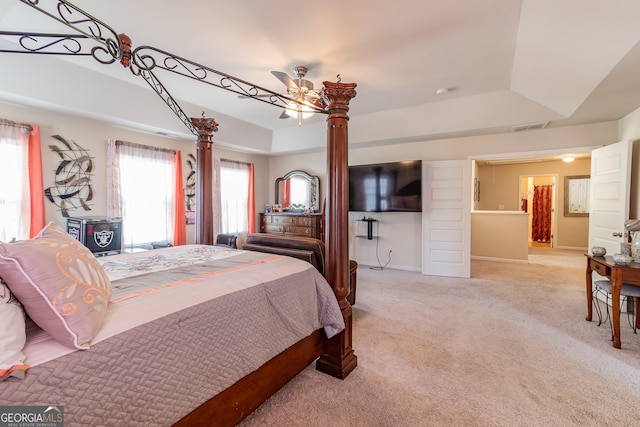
<point>72,186</point>
<point>190,188</point>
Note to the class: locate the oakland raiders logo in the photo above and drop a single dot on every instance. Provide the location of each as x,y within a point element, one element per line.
<point>103,238</point>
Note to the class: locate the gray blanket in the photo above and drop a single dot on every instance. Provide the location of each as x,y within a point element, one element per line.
<point>156,373</point>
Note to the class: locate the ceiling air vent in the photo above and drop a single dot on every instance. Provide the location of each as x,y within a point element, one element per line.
<point>529,126</point>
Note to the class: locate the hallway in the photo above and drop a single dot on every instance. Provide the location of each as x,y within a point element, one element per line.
<point>557,257</point>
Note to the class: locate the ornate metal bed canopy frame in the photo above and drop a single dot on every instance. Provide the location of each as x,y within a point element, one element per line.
<point>100,41</point>
<point>96,39</point>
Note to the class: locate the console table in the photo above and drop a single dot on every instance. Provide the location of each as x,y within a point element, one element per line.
<point>617,274</point>
<point>291,224</point>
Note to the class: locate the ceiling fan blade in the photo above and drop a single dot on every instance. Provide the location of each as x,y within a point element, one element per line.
<point>255,96</point>
<point>284,78</point>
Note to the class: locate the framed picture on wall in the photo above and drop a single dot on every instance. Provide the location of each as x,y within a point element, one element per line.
<point>576,195</point>
<point>476,189</point>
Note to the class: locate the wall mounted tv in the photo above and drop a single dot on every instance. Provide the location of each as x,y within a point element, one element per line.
<point>386,187</point>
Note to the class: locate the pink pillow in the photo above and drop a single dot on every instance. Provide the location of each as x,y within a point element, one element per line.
<point>60,284</point>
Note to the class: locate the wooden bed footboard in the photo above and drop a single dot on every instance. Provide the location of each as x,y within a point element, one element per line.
<point>335,356</point>
<point>238,401</point>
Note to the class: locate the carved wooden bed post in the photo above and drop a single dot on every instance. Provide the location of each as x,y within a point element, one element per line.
<point>204,180</point>
<point>339,359</point>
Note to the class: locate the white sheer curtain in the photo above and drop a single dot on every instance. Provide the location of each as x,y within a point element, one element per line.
<point>217,199</point>
<point>232,192</point>
<point>114,199</point>
<point>15,203</point>
<point>140,190</point>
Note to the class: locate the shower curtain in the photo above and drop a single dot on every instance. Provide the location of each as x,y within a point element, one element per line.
<point>541,221</point>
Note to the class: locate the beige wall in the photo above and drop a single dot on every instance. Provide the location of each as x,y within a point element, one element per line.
<point>500,187</point>
<point>92,136</point>
<point>629,128</point>
<point>499,235</point>
<point>403,232</point>
<point>313,164</point>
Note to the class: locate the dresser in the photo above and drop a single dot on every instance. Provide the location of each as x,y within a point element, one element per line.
<point>291,224</point>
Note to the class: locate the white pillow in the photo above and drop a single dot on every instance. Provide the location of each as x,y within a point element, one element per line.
<point>13,336</point>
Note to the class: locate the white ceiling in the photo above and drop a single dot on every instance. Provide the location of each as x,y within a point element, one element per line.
<point>505,63</point>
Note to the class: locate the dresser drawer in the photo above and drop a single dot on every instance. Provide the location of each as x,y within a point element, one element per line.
<point>284,219</point>
<point>291,224</point>
<point>299,231</point>
<point>599,268</point>
<point>307,221</point>
<point>272,228</point>
<point>288,229</point>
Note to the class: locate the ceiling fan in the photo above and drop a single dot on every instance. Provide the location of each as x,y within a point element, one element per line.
<point>300,89</point>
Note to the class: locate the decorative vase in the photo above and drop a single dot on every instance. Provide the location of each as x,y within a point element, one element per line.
<point>635,246</point>
<point>625,248</point>
<point>622,259</point>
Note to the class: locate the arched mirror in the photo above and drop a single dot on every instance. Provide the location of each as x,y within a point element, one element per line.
<point>298,191</point>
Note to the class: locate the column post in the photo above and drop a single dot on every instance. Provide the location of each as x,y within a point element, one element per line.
<point>339,358</point>
<point>204,179</point>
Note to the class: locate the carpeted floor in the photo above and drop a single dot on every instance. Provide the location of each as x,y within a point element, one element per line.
<point>559,257</point>
<point>508,347</point>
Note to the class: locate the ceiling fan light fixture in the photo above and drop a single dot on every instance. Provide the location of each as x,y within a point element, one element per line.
<point>293,109</point>
<point>300,91</point>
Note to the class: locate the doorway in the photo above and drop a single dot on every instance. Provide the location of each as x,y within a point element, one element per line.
<point>538,199</point>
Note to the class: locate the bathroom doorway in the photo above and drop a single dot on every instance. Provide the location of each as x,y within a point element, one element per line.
<point>538,199</point>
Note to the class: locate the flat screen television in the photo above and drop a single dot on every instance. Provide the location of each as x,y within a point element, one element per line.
<point>386,187</point>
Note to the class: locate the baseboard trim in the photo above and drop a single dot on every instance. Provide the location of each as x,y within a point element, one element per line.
<point>571,248</point>
<point>493,259</point>
<point>390,267</point>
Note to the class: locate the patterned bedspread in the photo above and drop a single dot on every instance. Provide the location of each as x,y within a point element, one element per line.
<point>129,265</point>
<point>178,332</point>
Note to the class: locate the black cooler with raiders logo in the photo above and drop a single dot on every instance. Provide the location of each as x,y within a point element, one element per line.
<point>101,235</point>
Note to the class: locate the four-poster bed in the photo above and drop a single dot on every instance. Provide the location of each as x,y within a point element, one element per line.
<point>335,356</point>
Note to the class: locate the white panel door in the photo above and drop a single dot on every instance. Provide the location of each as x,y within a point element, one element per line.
<point>609,195</point>
<point>446,218</point>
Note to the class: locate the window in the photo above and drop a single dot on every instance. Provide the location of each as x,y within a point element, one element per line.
<point>21,195</point>
<point>143,193</point>
<point>14,198</point>
<point>234,196</point>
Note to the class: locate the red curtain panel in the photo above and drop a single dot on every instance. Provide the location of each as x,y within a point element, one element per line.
<point>36,184</point>
<point>541,221</point>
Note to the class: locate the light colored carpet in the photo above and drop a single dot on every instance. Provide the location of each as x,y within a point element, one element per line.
<point>508,347</point>
<point>558,257</point>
